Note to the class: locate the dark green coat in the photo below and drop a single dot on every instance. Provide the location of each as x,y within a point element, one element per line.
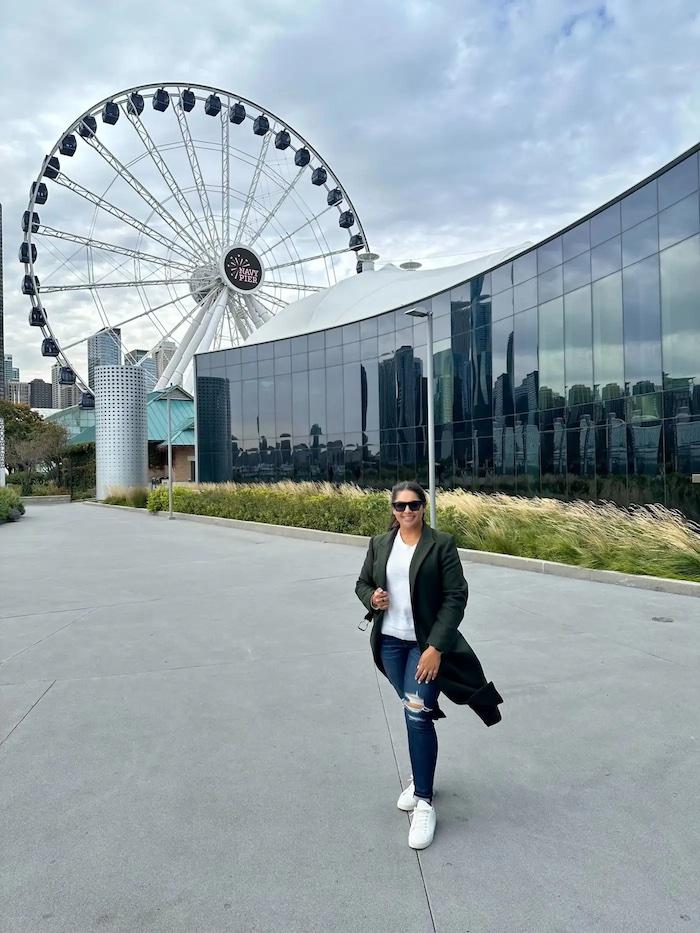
<point>438,597</point>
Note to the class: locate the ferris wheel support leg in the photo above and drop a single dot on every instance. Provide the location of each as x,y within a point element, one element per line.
<point>166,379</point>
<point>212,314</point>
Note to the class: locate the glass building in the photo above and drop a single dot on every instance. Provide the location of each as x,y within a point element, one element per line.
<point>572,370</point>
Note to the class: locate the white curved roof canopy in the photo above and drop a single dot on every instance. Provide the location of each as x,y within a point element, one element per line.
<point>371,293</point>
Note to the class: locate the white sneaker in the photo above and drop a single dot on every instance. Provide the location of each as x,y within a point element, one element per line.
<point>423,822</point>
<point>408,800</point>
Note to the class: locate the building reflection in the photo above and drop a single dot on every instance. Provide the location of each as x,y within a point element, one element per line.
<point>548,375</point>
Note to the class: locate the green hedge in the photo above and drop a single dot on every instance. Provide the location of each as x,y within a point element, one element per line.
<point>648,540</point>
<point>11,506</point>
<point>364,514</point>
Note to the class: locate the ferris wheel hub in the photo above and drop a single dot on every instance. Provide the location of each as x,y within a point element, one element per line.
<point>241,269</point>
<point>203,279</point>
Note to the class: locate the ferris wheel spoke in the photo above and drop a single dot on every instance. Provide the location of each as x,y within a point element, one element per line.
<point>113,248</point>
<point>136,317</point>
<point>144,193</point>
<point>164,170</point>
<point>250,197</point>
<point>273,299</point>
<point>297,286</point>
<point>213,237</point>
<point>91,285</point>
<point>307,222</point>
<point>117,212</point>
<point>285,194</point>
<point>231,321</point>
<point>225,175</point>
<point>296,262</point>
<point>258,311</point>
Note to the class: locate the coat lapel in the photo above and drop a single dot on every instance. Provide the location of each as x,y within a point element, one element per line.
<point>421,552</point>
<point>384,558</point>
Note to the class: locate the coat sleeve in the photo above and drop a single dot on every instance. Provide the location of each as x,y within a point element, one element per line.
<point>365,586</point>
<point>454,599</point>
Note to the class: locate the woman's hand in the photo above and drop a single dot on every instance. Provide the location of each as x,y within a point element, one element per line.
<point>380,599</point>
<point>428,665</point>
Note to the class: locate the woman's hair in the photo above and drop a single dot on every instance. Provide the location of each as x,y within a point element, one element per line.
<point>407,486</point>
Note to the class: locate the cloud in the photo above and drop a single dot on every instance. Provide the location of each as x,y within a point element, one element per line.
<point>457,127</point>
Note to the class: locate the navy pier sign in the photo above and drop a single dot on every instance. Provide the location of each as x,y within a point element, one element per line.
<point>242,269</point>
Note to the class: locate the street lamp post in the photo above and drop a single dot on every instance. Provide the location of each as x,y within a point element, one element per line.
<point>427,314</point>
<point>170,459</point>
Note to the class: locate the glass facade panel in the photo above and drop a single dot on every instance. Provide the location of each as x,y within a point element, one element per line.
<point>502,305</point>
<point>680,312</point>
<point>640,241</point>
<point>572,371</point>
<point>678,181</point>
<point>502,278</point>
<point>606,258</point>
<point>551,354</point>
<point>300,405</point>
<point>334,400</point>
<point>283,404</point>
<point>502,365</point>
<point>576,241</point>
<point>605,224</point>
<point>550,284</point>
<point>578,346</point>
<point>608,347</point>
<point>642,326</point>
<point>525,369</point>
<point>679,221</point>
<point>525,295</point>
<point>525,267</point>
<point>639,205</point>
<point>549,255</point>
<point>577,272</point>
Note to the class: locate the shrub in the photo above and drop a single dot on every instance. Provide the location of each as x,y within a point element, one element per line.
<point>48,489</point>
<point>647,539</point>
<point>134,496</point>
<point>11,506</point>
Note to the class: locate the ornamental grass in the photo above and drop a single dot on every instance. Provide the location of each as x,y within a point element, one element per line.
<point>644,539</point>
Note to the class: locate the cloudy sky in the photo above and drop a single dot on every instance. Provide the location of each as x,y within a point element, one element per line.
<point>457,127</point>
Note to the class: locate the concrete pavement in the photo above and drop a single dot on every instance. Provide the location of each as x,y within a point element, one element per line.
<point>193,738</point>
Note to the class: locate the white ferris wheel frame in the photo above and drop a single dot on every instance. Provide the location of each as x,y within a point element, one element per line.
<point>185,251</point>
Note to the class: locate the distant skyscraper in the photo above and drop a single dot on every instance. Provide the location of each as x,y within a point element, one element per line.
<point>18,392</point>
<point>148,365</point>
<point>7,369</point>
<point>162,354</point>
<point>104,349</point>
<point>15,373</point>
<point>40,394</point>
<point>63,396</point>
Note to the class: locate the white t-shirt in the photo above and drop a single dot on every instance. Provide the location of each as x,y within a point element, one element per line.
<point>398,618</point>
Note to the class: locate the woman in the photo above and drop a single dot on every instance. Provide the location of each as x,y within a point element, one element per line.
<point>414,588</point>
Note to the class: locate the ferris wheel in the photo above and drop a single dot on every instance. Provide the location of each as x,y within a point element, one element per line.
<point>177,216</point>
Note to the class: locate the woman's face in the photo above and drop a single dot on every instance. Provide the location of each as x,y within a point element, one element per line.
<point>408,519</point>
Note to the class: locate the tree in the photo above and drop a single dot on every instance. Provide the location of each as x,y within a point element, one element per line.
<point>20,421</point>
<point>31,442</point>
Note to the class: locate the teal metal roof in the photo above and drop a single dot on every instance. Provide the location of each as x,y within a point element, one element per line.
<point>181,415</point>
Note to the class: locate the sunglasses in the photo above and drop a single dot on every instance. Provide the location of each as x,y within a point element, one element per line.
<point>414,505</point>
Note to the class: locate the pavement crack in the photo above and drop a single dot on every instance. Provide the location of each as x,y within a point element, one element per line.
<point>2,742</point>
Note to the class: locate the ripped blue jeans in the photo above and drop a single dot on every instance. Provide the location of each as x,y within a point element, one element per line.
<point>400,659</point>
